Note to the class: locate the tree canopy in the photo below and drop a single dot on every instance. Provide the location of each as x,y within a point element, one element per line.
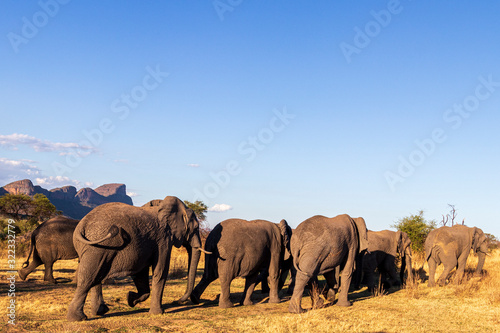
<point>200,210</point>
<point>39,207</point>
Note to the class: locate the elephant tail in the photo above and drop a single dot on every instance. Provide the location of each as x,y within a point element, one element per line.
<point>428,253</point>
<point>112,232</point>
<point>32,248</point>
<point>296,258</point>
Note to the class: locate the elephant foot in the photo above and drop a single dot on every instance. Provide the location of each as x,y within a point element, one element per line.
<point>247,302</point>
<point>274,300</point>
<point>22,274</point>
<point>181,302</point>
<point>101,311</point>
<point>78,316</point>
<point>330,295</point>
<point>134,298</point>
<point>295,308</point>
<point>225,304</point>
<point>52,281</point>
<point>156,311</point>
<point>344,303</point>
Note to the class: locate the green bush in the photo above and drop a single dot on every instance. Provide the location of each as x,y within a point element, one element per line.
<point>417,229</point>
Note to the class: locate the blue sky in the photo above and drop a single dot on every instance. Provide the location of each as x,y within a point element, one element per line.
<point>264,110</point>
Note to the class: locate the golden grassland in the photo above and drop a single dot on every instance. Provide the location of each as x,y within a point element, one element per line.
<point>473,306</point>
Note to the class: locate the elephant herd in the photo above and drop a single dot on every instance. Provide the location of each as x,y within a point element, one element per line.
<point>118,240</point>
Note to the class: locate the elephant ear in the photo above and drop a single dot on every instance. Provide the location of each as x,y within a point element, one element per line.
<point>362,233</point>
<point>286,234</point>
<point>406,242</point>
<point>174,213</point>
<point>478,238</point>
<point>399,242</point>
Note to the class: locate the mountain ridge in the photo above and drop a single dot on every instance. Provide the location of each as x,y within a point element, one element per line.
<point>73,203</point>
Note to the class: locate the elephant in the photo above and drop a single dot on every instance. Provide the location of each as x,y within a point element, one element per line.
<point>451,246</point>
<point>383,248</point>
<point>116,240</point>
<point>322,245</point>
<point>50,241</point>
<point>242,248</point>
<point>285,267</point>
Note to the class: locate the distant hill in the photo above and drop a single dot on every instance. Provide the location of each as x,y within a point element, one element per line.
<point>73,203</point>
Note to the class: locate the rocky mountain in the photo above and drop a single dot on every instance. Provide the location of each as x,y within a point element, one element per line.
<point>73,203</point>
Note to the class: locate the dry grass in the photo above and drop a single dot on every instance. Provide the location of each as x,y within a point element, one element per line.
<point>473,306</point>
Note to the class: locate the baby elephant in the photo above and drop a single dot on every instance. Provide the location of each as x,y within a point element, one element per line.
<point>243,248</point>
<point>50,241</point>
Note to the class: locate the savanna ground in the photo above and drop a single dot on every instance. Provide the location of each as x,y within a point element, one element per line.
<point>473,306</point>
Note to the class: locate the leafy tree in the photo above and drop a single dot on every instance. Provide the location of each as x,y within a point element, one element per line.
<point>42,209</point>
<point>494,243</point>
<point>200,209</point>
<point>417,229</point>
<point>15,204</point>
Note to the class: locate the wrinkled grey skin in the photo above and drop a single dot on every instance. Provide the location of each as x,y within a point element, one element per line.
<point>50,241</point>
<point>451,247</point>
<point>116,240</point>
<point>384,246</point>
<point>243,248</point>
<point>322,245</point>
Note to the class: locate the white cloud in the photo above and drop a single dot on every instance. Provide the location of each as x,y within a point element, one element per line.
<point>12,170</point>
<point>13,141</point>
<point>193,165</point>
<point>219,208</point>
<point>58,181</point>
<point>132,194</point>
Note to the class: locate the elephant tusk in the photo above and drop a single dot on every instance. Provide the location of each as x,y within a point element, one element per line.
<point>202,250</point>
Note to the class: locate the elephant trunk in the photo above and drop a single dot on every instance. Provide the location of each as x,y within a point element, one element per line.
<point>406,263</point>
<point>480,262</point>
<point>194,257</point>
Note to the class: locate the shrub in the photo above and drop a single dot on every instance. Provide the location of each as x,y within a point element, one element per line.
<point>417,229</point>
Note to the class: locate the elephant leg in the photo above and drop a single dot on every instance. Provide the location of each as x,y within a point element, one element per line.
<point>432,272</point>
<point>225,286</point>
<point>295,302</point>
<point>75,308</point>
<point>369,267</point>
<point>75,279</point>
<point>291,285</point>
<point>99,308</point>
<point>23,273</point>
<point>201,286</point>
<point>262,279</point>
<point>345,280</point>
<point>461,263</point>
<point>331,282</point>
<point>141,281</point>
<point>250,282</point>
<point>448,266</point>
<point>160,273</point>
<point>274,281</point>
<point>48,275</point>
<point>390,269</point>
